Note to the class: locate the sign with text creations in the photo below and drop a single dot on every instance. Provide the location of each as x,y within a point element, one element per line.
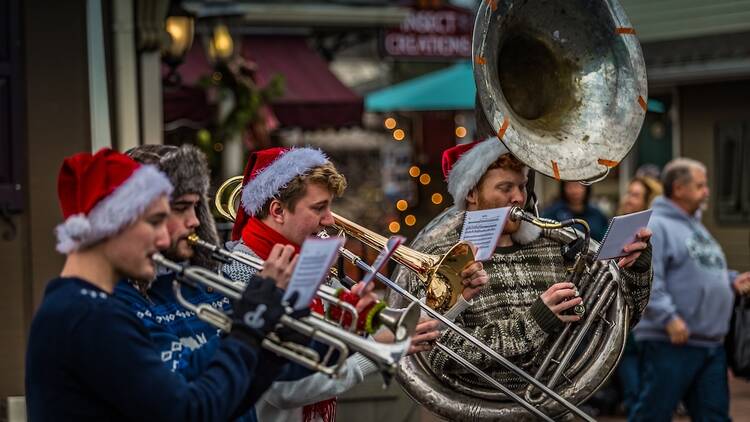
<point>443,33</point>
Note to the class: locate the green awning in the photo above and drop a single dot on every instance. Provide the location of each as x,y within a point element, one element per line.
<point>447,89</point>
<point>451,88</point>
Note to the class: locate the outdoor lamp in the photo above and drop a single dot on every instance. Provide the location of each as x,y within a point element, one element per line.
<point>221,46</point>
<point>180,27</point>
<point>180,30</point>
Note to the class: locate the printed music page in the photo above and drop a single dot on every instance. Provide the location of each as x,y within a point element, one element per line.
<point>483,228</point>
<point>315,259</point>
<point>621,231</point>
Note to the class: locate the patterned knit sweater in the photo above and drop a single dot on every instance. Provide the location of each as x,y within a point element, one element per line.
<point>508,314</point>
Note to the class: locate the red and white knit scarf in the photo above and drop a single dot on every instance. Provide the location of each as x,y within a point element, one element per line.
<point>260,238</point>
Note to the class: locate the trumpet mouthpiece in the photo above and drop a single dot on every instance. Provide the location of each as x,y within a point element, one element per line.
<point>193,239</point>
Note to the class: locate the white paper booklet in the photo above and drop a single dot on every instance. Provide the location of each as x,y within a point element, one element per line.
<point>621,231</point>
<point>482,228</point>
<point>315,260</point>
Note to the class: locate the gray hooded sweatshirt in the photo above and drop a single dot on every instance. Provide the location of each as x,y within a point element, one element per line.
<point>691,279</point>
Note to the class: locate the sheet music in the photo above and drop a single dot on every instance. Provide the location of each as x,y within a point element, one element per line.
<point>315,260</point>
<point>621,231</point>
<point>483,228</point>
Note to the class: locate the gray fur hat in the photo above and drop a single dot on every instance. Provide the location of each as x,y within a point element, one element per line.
<point>187,168</point>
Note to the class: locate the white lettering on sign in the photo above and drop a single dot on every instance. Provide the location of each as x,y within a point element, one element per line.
<point>430,22</point>
<point>441,33</point>
<point>398,44</point>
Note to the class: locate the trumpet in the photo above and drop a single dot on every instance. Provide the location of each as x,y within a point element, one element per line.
<point>385,356</point>
<point>401,322</point>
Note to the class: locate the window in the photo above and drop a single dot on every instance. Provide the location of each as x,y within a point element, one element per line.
<point>11,120</point>
<point>732,171</point>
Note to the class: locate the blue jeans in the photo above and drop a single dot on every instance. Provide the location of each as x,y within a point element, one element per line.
<point>627,372</point>
<point>670,373</point>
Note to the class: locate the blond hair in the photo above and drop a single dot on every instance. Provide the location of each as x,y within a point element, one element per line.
<point>325,175</point>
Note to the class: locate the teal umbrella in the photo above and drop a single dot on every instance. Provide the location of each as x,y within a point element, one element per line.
<point>451,88</point>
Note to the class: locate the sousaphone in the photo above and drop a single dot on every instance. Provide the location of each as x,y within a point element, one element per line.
<point>563,85</point>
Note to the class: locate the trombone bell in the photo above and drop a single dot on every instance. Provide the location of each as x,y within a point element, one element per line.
<point>441,274</point>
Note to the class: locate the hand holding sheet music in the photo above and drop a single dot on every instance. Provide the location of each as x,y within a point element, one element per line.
<point>483,228</point>
<point>622,231</point>
<point>315,259</point>
<point>390,247</point>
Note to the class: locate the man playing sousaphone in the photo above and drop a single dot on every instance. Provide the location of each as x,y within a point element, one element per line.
<point>527,296</point>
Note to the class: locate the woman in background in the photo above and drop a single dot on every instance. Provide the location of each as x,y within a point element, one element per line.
<point>574,202</point>
<point>641,192</point>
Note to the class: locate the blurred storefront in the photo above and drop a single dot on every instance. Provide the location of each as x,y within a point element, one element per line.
<point>698,66</point>
<point>83,74</point>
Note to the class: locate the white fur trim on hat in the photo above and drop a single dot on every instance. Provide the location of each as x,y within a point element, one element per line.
<point>269,181</point>
<point>123,206</point>
<point>471,166</point>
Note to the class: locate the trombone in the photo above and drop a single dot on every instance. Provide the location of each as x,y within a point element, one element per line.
<point>440,273</point>
<point>431,269</point>
<point>385,356</point>
<point>401,322</point>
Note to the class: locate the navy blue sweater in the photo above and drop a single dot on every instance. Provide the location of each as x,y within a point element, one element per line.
<point>186,343</point>
<point>176,332</point>
<point>90,358</point>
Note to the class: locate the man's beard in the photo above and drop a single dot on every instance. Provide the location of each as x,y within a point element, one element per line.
<point>173,253</point>
<point>511,226</point>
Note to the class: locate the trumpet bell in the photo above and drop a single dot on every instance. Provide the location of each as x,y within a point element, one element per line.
<point>401,322</point>
<point>562,83</point>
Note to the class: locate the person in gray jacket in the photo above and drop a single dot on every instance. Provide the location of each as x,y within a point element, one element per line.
<point>682,329</point>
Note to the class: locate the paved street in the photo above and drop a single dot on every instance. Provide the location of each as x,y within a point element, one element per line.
<point>739,390</point>
<point>739,406</point>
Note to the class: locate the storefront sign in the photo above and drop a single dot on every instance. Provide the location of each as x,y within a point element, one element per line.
<point>443,33</point>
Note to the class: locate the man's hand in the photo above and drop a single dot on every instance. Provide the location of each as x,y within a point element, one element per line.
<point>474,277</point>
<point>256,312</point>
<point>366,296</point>
<point>423,339</point>
<point>560,297</point>
<point>635,248</point>
<point>741,283</point>
<point>678,331</point>
<point>425,336</point>
<point>280,265</point>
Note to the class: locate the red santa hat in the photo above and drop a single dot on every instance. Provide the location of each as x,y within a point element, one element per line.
<point>463,167</point>
<point>268,172</point>
<point>465,164</point>
<point>102,193</point>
